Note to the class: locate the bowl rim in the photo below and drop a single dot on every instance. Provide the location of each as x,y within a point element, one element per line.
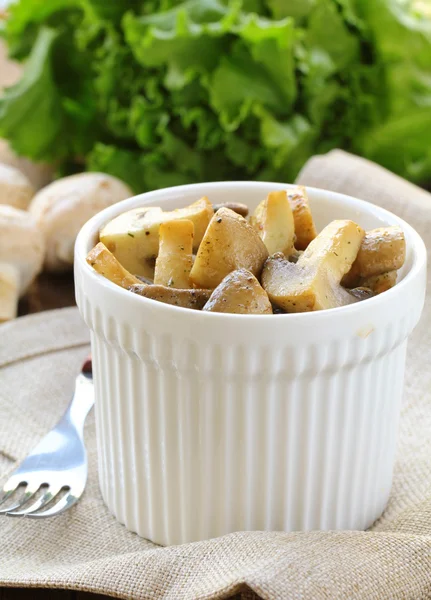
<point>81,249</point>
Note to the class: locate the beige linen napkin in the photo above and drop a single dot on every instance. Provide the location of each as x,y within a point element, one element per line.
<point>86,549</point>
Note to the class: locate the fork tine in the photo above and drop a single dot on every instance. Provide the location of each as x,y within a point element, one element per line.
<point>9,488</point>
<point>30,492</point>
<point>6,495</point>
<point>66,502</point>
<point>40,503</point>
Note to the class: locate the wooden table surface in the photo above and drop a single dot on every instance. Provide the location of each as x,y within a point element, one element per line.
<point>48,292</point>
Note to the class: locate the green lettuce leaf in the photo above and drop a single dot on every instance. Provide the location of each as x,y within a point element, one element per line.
<point>160,92</point>
<point>401,34</point>
<point>141,171</point>
<point>34,99</point>
<point>293,8</point>
<point>25,19</point>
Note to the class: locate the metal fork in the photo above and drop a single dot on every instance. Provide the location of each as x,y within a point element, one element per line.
<point>58,462</point>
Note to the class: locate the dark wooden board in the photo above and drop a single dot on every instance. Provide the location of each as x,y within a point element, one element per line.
<point>48,292</point>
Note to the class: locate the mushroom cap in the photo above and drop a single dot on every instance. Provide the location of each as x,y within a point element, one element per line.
<point>15,189</point>
<point>21,244</point>
<point>38,174</point>
<point>62,208</point>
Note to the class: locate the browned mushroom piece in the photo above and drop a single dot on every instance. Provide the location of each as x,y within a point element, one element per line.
<point>105,263</point>
<point>382,250</point>
<point>380,283</point>
<point>273,220</point>
<point>239,293</point>
<point>229,243</point>
<point>305,230</point>
<point>175,260</point>
<point>134,235</point>
<point>195,299</point>
<point>313,283</point>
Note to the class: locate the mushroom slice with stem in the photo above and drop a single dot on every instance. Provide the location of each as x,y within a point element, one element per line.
<point>229,243</point>
<point>195,299</point>
<point>313,283</point>
<point>21,257</point>
<point>62,208</point>
<point>380,283</point>
<point>382,250</point>
<point>133,237</point>
<point>105,263</point>
<point>305,230</point>
<point>175,259</point>
<point>239,293</point>
<point>273,219</point>
<point>15,189</point>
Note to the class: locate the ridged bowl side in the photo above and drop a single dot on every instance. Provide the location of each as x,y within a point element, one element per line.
<point>198,441</point>
<point>214,423</point>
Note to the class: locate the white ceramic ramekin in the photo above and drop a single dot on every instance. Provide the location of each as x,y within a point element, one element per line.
<point>213,423</point>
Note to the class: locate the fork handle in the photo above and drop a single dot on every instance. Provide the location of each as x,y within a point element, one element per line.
<point>82,399</point>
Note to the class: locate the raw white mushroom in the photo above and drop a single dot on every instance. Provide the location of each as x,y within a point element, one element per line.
<point>15,189</point>
<point>21,257</point>
<point>62,208</point>
<point>38,174</point>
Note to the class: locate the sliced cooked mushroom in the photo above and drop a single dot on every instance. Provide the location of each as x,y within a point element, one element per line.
<point>15,189</point>
<point>305,229</point>
<point>200,213</point>
<point>380,283</point>
<point>105,263</point>
<point>238,207</point>
<point>239,293</point>
<point>229,243</point>
<point>273,219</point>
<point>21,257</point>
<point>313,283</point>
<point>62,208</point>
<point>133,237</point>
<point>174,262</point>
<point>382,249</point>
<point>195,299</point>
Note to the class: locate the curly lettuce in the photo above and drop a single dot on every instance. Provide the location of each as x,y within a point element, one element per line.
<point>175,91</point>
